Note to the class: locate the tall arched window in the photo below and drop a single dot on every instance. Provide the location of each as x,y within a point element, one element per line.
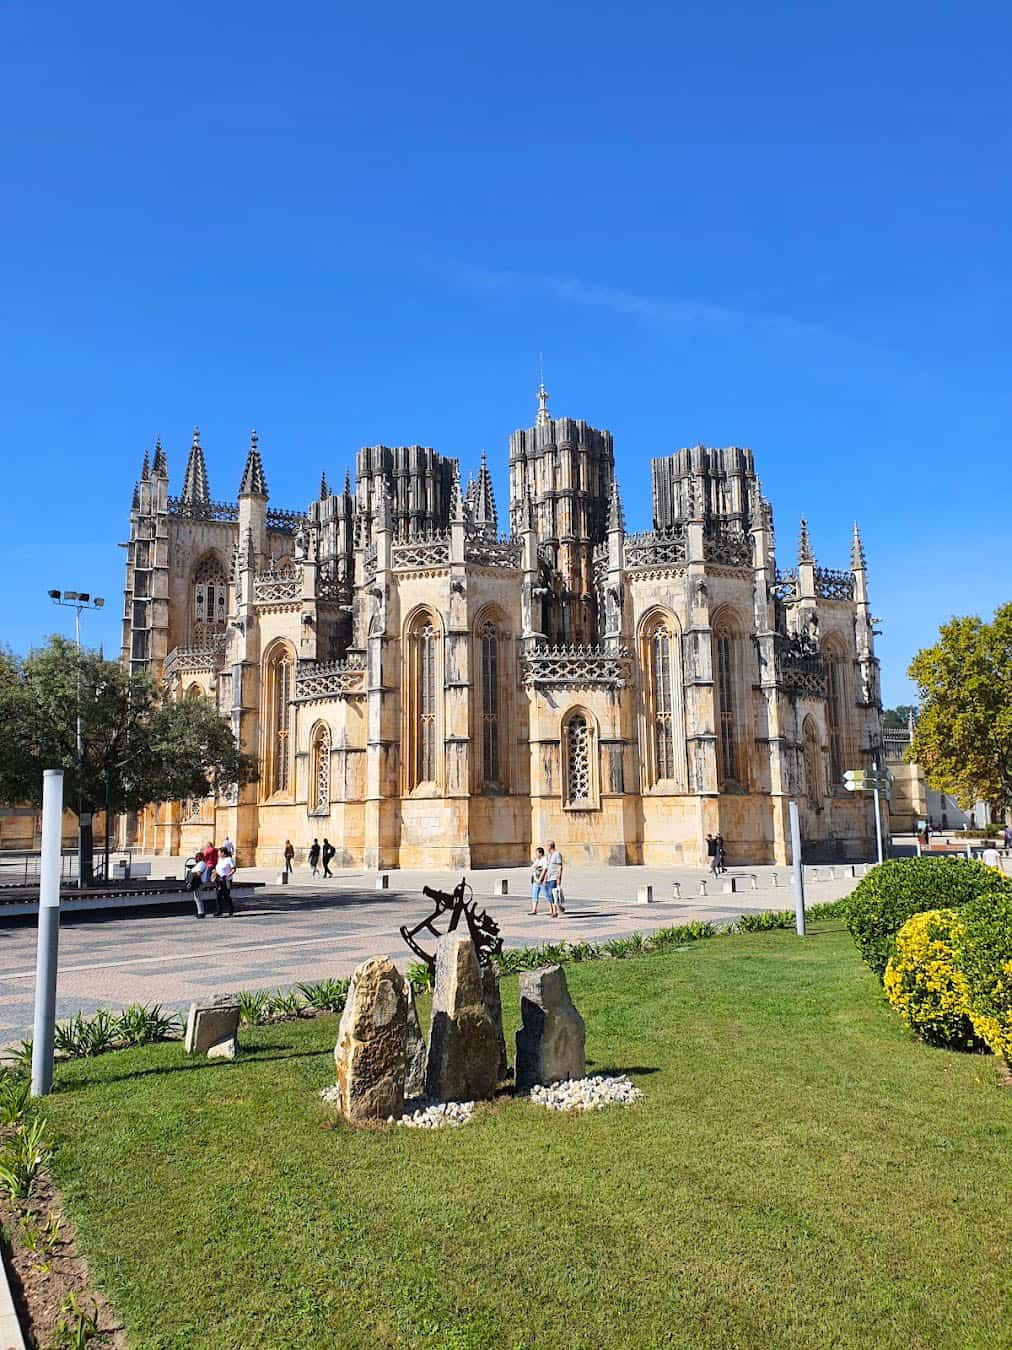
<point>210,600</point>
<point>319,770</point>
<point>663,703</point>
<point>278,691</point>
<point>836,711</point>
<point>488,646</point>
<point>580,790</point>
<point>423,689</point>
<point>727,674</point>
<point>812,760</point>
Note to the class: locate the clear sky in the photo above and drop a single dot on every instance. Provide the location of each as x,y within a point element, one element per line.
<point>778,225</point>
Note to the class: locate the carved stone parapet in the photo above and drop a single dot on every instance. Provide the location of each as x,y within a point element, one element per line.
<point>419,554</point>
<point>655,548</point>
<point>831,584</point>
<point>197,658</point>
<point>729,545</point>
<point>486,551</point>
<point>574,666</point>
<point>800,667</point>
<point>785,587</point>
<point>319,680</point>
<point>278,585</point>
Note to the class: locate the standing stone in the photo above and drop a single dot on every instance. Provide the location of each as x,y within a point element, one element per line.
<point>372,1043</point>
<point>493,1002</point>
<point>551,1041</point>
<point>414,1072</point>
<point>213,1028</point>
<point>463,1048</point>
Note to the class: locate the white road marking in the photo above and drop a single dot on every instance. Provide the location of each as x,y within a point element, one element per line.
<point>199,956</point>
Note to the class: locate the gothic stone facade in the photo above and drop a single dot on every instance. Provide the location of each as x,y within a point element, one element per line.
<point>428,691</point>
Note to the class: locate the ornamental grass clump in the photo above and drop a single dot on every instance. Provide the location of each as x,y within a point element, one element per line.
<point>888,896</point>
<point>985,960</point>
<point>924,983</point>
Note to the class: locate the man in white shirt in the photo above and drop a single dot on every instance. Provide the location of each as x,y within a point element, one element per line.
<point>553,880</point>
<point>991,858</point>
<point>224,871</point>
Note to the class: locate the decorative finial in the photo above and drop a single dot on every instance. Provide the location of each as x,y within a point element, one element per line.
<point>456,497</point>
<point>857,559</point>
<point>135,504</point>
<point>347,483</point>
<point>196,435</point>
<point>616,516</point>
<point>805,554</point>
<point>382,517</point>
<point>758,513</point>
<point>146,468</point>
<point>481,499</point>
<point>324,490</point>
<point>160,466</point>
<point>543,418</point>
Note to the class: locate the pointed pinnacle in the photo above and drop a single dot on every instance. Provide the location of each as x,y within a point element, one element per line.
<point>857,559</point>
<point>254,483</point>
<point>196,488</point>
<point>347,483</point>
<point>146,468</point>
<point>135,504</point>
<point>456,497</point>
<point>324,490</point>
<point>805,554</point>
<point>616,516</point>
<point>161,464</point>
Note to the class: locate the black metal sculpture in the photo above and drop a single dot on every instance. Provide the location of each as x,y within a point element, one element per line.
<point>483,929</point>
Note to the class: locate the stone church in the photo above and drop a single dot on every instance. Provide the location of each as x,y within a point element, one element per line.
<point>430,686</point>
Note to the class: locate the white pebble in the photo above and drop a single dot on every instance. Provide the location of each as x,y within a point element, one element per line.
<point>586,1094</point>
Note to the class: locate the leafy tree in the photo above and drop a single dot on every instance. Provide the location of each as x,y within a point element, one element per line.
<point>135,748</point>
<point>898,719</point>
<point>963,736</point>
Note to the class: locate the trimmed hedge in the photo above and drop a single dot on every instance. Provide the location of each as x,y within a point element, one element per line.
<point>893,892</point>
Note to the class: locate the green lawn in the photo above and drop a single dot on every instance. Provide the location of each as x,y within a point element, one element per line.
<point>799,1172</point>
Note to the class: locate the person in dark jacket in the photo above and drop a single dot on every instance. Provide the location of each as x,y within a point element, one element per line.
<point>314,856</point>
<point>328,852</point>
<point>711,852</point>
<point>289,855</point>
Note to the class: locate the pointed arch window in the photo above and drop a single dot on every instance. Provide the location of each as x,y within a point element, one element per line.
<point>422,690</point>
<point>727,721</point>
<point>278,688</point>
<point>663,702</point>
<point>836,712</point>
<point>580,790</point>
<point>488,645</point>
<point>319,771</point>
<point>210,600</point>
<point>812,756</point>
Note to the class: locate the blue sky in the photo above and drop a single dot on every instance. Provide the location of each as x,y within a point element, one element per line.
<point>781,225</point>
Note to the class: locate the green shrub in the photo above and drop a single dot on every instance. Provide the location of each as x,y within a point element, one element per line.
<point>924,983</point>
<point>766,921</point>
<point>891,893</point>
<point>985,959</point>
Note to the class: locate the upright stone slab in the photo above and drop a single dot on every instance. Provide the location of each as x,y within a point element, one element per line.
<point>212,1029</point>
<point>372,1043</point>
<point>414,1061</point>
<point>493,1002</point>
<point>551,1041</point>
<point>463,1063</point>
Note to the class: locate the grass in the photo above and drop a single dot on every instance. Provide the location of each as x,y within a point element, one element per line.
<point>800,1172</point>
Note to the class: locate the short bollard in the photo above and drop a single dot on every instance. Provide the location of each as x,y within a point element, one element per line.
<point>676,890</point>
<point>501,886</point>
<point>847,870</point>
<point>753,881</point>
<point>830,874</point>
<point>702,887</point>
<point>282,878</point>
<point>729,885</point>
<point>383,881</point>
<point>774,880</point>
<point>645,895</point>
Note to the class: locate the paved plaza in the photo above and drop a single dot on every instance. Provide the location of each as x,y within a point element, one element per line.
<point>314,929</point>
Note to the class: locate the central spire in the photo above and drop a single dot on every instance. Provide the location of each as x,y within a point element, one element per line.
<point>196,488</point>
<point>254,482</point>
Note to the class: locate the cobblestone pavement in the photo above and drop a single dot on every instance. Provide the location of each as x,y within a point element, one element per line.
<point>315,928</point>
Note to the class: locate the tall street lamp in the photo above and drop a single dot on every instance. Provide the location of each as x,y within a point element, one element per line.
<point>79,601</point>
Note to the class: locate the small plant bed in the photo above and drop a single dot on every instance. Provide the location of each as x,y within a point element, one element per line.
<point>587,1094</point>
<point>796,1165</point>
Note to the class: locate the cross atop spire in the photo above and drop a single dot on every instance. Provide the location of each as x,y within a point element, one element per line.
<point>482,498</point>
<point>160,467</point>
<point>254,483</point>
<point>616,516</point>
<point>196,488</point>
<point>805,554</point>
<point>857,560</point>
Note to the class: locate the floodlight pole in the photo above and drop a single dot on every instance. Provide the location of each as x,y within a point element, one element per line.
<point>878,814</point>
<point>49,932</point>
<point>797,870</point>
<point>79,601</point>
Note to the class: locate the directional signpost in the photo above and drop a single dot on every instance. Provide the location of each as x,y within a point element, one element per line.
<point>874,781</point>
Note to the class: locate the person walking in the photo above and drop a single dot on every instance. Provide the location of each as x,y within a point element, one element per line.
<point>553,881</point>
<point>711,852</point>
<point>289,855</point>
<point>226,846</point>
<point>539,868</point>
<point>328,852</point>
<point>224,872</point>
<point>314,856</point>
<point>194,883</point>
<point>1007,836</point>
<point>721,853</point>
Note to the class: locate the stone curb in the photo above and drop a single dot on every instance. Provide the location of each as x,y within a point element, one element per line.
<point>10,1328</point>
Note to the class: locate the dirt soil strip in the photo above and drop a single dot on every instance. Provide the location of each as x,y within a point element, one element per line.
<point>43,1280</point>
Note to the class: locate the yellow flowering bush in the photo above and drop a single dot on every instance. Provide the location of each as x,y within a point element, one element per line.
<point>985,962</point>
<point>924,983</point>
